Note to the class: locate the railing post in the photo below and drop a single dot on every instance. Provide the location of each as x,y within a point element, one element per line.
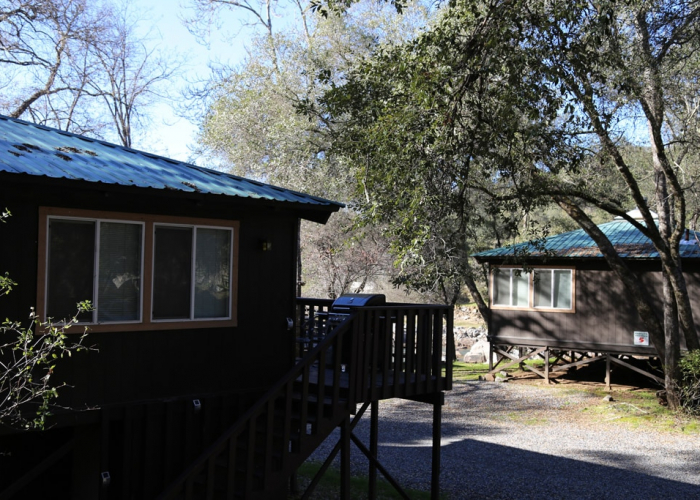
<point>450,347</point>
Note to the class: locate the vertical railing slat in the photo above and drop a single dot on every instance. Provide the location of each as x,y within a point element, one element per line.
<point>410,353</point>
<point>397,337</point>
<point>386,340</point>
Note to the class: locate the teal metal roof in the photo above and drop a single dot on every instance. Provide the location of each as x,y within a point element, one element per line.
<point>629,242</point>
<point>36,150</point>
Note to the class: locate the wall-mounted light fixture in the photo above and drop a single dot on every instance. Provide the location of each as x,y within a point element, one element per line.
<point>265,245</point>
<point>106,478</point>
<point>197,404</point>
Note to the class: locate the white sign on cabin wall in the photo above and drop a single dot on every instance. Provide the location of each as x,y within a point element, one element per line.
<point>641,338</point>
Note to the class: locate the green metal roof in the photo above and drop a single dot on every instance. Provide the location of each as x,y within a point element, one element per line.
<point>629,242</point>
<point>36,150</point>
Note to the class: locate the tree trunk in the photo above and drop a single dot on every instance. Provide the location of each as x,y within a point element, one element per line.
<point>639,296</point>
<point>476,297</point>
<point>672,345</point>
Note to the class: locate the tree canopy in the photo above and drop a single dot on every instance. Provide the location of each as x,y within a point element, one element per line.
<point>504,107</point>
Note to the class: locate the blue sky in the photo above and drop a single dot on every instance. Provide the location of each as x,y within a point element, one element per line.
<point>170,135</point>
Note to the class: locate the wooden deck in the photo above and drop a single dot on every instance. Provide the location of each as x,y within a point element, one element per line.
<point>382,352</point>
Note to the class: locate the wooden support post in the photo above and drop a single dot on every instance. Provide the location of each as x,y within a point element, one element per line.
<point>546,366</point>
<point>373,447</point>
<point>607,372</point>
<point>437,434</point>
<point>345,459</point>
<point>490,357</point>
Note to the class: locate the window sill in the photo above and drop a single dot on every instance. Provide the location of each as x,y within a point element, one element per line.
<point>149,326</point>
<point>533,309</point>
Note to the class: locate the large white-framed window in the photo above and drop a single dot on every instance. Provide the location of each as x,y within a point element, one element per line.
<point>140,271</point>
<point>538,288</point>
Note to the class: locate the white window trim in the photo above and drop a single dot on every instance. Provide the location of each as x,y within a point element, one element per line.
<point>551,294</point>
<point>194,228</point>
<point>531,288</point>
<point>96,268</point>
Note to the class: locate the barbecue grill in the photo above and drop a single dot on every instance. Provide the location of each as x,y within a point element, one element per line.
<point>344,306</point>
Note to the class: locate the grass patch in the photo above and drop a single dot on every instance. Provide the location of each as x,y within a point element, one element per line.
<point>462,372</point>
<point>638,408</point>
<point>465,323</point>
<point>329,486</point>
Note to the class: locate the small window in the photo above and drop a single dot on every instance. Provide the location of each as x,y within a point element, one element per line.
<point>79,251</point>
<point>551,289</point>
<point>191,273</point>
<point>511,287</point>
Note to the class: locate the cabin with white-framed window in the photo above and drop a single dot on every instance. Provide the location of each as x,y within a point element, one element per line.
<point>560,296</point>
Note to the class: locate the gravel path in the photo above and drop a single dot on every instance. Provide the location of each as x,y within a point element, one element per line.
<point>517,441</point>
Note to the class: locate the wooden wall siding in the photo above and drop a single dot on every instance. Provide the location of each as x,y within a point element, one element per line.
<point>153,365</point>
<point>604,320</point>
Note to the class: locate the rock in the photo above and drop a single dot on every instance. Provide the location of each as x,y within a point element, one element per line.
<point>501,380</point>
<point>503,373</point>
<point>474,358</point>
<point>608,398</point>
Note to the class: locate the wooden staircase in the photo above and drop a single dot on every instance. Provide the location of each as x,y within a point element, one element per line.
<point>378,353</point>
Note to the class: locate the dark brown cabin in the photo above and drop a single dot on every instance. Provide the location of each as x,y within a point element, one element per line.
<point>561,296</point>
<point>197,387</point>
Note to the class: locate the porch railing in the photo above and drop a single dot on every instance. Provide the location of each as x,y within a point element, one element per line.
<point>377,353</point>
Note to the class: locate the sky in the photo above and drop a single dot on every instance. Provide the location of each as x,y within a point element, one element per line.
<point>170,135</point>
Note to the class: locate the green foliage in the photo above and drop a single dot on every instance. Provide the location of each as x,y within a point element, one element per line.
<point>251,125</point>
<point>689,382</point>
<point>28,358</point>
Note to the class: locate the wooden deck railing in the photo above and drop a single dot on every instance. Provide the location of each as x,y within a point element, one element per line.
<point>377,353</point>
<point>400,351</point>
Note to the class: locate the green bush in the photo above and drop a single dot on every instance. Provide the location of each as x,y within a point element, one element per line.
<point>689,383</point>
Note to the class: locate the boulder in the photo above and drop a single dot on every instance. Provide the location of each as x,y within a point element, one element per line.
<point>474,358</point>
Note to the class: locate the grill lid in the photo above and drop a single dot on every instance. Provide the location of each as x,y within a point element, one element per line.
<point>358,300</point>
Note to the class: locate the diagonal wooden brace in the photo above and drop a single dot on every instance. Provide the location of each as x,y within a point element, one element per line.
<point>515,360</point>
<point>638,370</point>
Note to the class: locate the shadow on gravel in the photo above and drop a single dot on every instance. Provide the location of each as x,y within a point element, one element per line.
<point>473,469</point>
<point>476,470</point>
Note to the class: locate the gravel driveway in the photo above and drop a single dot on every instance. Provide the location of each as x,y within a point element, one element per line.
<point>517,441</point>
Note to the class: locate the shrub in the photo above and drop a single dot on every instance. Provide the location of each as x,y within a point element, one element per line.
<point>689,383</point>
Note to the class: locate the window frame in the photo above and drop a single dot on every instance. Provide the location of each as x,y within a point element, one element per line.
<point>96,266</point>
<point>147,252</point>
<point>193,269</point>
<point>531,289</point>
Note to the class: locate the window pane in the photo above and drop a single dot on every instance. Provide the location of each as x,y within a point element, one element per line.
<point>520,289</point>
<point>501,287</point>
<point>562,289</point>
<point>119,276</point>
<point>543,288</point>
<point>172,272</point>
<point>212,272</point>
<point>71,266</point>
